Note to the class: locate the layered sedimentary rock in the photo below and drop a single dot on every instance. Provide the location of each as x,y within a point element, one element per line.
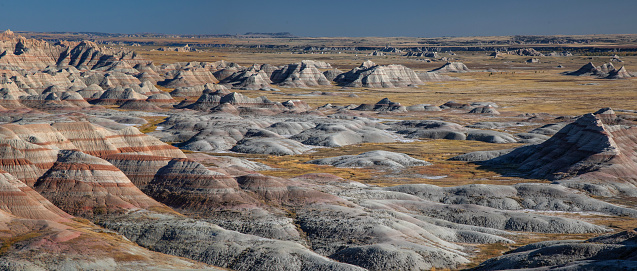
<point>29,54</point>
<point>606,70</point>
<point>249,79</point>
<point>617,251</point>
<point>20,200</point>
<point>525,52</point>
<point>92,91</point>
<point>622,73</point>
<point>447,130</point>
<point>118,96</point>
<point>452,67</point>
<point>332,74</point>
<point>484,110</point>
<point>24,160</point>
<point>190,77</point>
<point>86,185</point>
<point>384,159</point>
<point>262,104</point>
<point>186,184</point>
<point>266,142</point>
<point>301,75</point>
<point>31,150</point>
<point>215,245</point>
<point>384,105</point>
<point>369,74</point>
<point>148,72</point>
<point>21,53</point>
<point>140,169</point>
<point>591,69</point>
<point>592,148</point>
<point>196,91</point>
<point>337,134</point>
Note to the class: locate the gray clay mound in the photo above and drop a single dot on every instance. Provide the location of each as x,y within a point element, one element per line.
<point>212,244</point>
<point>614,252</point>
<point>452,67</point>
<point>479,156</point>
<point>379,158</point>
<point>270,145</point>
<point>341,134</point>
<point>484,110</point>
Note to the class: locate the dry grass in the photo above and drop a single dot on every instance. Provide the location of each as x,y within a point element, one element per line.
<point>7,243</point>
<point>151,126</point>
<point>517,87</point>
<point>434,151</point>
<point>164,89</point>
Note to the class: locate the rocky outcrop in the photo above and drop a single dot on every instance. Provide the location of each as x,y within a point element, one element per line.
<point>384,105</point>
<point>197,91</point>
<point>118,96</point>
<point>301,75</point>
<point>617,251</point>
<point>245,104</point>
<point>382,159</point>
<point>189,78</point>
<point>485,110</point>
<point>622,73</point>
<point>525,52</point>
<point>212,244</point>
<point>188,185</point>
<point>86,185</point>
<point>451,67</point>
<point>591,148</point>
<point>342,134</point>
<point>422,107</point>
<point>330,75</point>
<point>371,75</point>
<point>20,200</point>
<point>265,142</point>
<point>588,69</point>
<point>607,71</point>
<point>249,79</point>
<point>446,130</point>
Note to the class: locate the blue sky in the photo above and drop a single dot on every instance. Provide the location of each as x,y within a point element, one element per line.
<point>325,17</point>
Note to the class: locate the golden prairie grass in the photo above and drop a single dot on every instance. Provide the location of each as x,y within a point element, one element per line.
<point>164,89</point>
<point>7,243</point>
<point>151,126</point>
<point>534,89</point>
<point>434,151</point>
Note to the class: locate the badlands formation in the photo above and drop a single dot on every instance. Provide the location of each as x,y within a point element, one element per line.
<point>111,161</point>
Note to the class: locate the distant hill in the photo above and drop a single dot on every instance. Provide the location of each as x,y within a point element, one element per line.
<point>269,35</point>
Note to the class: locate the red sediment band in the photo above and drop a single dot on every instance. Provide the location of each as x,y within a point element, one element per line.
<point>116,136</point>
<point>182,160</point>
<point>74,166</point>
<point>102,184</point>
<point>96,139</point>
<point>136,157</point>
<point>44,165</point>
<point>102,153</point>
<point>23,150</point>
<point>11,193</point>
<point>118,100</point>
<point>15,162</point>
<point>147,148</point>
